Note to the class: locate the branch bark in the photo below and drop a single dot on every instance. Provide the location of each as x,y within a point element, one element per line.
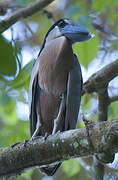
<point>23,13</point>
<point>113,99</point>
<point>98,167</point>
<point>62,146</point>
<point>101,78</point>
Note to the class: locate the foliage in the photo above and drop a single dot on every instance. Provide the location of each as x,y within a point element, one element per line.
<point>71,167</point>
<point>7,59</point>
<point>98,16</point>
<point>84,52</point>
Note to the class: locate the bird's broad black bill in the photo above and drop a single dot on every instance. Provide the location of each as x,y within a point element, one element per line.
<point>76,33</point>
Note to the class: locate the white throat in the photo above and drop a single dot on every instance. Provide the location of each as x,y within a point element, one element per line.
<point>55,33</point>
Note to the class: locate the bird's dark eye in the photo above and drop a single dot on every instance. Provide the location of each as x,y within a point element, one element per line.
<point>62,24</point>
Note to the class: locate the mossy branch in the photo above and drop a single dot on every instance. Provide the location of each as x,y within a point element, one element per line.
<point>60,147</point>
<point>99,80</point>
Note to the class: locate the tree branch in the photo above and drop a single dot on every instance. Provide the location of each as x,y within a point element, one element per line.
<point>101,78</point>
<point>98,82</point>
<point>62,146</point>
<point>113,98</point>
<point>103,102</point>
<point>23,13</point>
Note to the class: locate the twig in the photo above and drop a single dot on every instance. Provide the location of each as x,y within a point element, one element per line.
<point>101,78</point>
<point>113,98</point>
<point>49,15</point>
<point>23,13</point>
<point>103,102</point>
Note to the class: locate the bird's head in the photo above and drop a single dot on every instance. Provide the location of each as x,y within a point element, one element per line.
<point>69,29</point>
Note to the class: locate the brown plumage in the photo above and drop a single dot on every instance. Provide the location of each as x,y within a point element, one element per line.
<point>56,59</point>
<point>56,83</point>
<point>52,77</point>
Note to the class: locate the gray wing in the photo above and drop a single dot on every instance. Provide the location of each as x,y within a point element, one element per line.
<point>34,94</point>
<point>74,91</point>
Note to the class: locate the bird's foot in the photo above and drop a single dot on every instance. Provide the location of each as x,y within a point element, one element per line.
<point>46,136</point>
<point>88,123</point>
<point>61,96</point>
<point>58,132</point>
<point>25,142</point>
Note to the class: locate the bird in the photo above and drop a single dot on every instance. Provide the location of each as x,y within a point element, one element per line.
<point>56,83</point>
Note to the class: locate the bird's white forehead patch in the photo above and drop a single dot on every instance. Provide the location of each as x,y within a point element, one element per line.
<point>68,21</point>
<point>54,33</point>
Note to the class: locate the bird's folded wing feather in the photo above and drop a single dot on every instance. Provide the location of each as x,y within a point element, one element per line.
<point>74,91</point>
<point>32,97</point>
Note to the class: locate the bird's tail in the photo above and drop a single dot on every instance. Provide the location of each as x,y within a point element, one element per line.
<point>50,169</point>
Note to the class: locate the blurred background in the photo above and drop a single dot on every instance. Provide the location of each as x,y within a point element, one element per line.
<point>19,47</point>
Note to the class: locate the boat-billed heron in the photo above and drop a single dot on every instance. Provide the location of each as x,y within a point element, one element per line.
<point>56,83</point>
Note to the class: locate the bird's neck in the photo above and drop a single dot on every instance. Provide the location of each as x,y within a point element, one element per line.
<point>55,62</point>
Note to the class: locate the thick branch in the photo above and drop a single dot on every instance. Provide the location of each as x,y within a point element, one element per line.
<point>113,98</point>
<point>103,102</point>
<point>23,13</point>
<point>101,78</point>
<point>59,147</point>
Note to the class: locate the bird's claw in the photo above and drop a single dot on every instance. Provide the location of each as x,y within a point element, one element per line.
<point>25,142</point>
<point>35,137</point>
<point>62,96</point>
<point>46,136</point>
<point>88,123</point>
<point>58,132</point>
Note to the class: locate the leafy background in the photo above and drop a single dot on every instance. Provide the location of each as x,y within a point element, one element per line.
<point>19,47</point>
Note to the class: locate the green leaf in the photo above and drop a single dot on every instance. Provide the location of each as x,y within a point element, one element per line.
<point>10,134</point>
<point>87,51</point>
<point>71,167</point>
<point>7,108</point>
<point>102,5</point>
<point>8,65</point>
<point>72,11</point>
<point>44,24</point>
<point>22,2</point>
<point>113,110</point>
<point>86,102</point>
<point>22,80</point>
<point>114,44</point>
<point>27,175</point>
<point>85,20</point>
<point>80,124</point>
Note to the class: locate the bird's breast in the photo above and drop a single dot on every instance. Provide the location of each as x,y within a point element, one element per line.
<point>55,62</point>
